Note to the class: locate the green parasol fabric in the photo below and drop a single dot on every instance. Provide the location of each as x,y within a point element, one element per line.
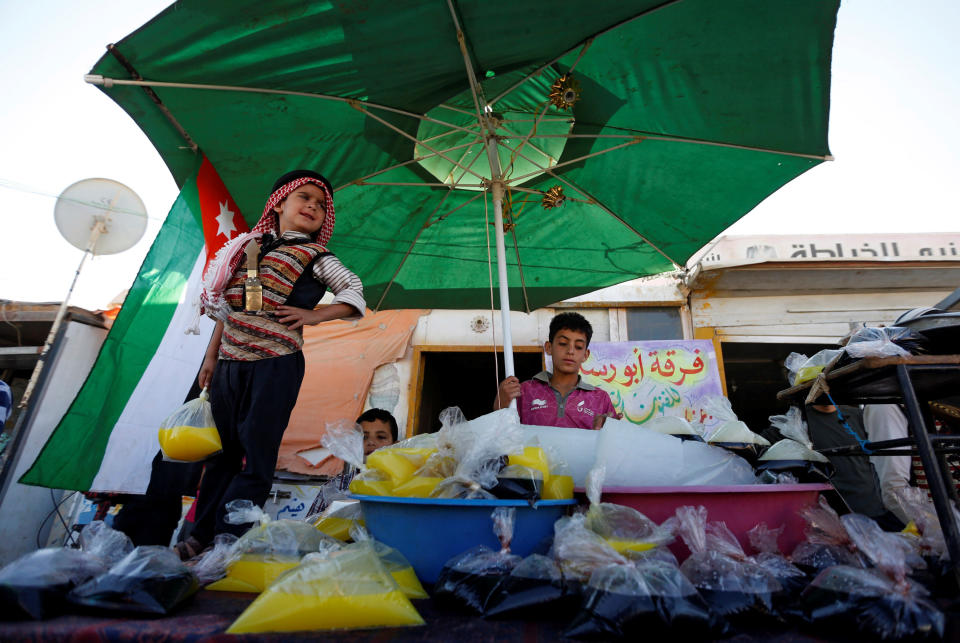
<point>684,116</point>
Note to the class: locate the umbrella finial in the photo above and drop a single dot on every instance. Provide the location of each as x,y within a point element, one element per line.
<point>564,92</point>
<point>553,198</point>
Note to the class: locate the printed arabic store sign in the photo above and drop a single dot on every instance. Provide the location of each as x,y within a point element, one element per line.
<point>655,378</point>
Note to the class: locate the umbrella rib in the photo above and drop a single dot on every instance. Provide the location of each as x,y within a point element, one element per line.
<point>470,165</point>
<point>421,185</point>
<point>97,79</point>
<point>414,139</point>
<point>594,200</point>
<point>523,283</point>
<point>584,42</point>
<point>578,159</point>
<point>526,139</point>
<point>416,159</point>
<point>475,90</point>
<point>530,145</point>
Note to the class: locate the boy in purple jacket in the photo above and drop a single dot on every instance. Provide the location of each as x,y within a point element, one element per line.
<point>560,398</point>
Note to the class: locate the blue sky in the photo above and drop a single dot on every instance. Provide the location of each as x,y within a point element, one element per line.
<point>893,130</point>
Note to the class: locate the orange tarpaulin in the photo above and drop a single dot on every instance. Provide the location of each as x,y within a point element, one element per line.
<point>340,359</point>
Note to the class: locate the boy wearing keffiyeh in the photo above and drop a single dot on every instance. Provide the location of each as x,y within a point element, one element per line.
<point>254,364</point>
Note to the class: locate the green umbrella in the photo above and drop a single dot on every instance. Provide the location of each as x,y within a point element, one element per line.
<point>581,144</point>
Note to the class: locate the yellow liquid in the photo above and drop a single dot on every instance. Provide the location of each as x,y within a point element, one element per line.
<point>398,464</point>
<point>275,611</point>
<point>417,487</point>
<point>338,528</point>
<point>558,488</point>
<point>252,573</point>
<point>629,545</point>
<point>190,443</point>
<point>533,457</point>
<point>409,583</point>
<point>372,487</point>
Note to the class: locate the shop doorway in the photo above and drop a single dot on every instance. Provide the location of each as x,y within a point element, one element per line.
<point>463,377</point>
<point>754,374</point>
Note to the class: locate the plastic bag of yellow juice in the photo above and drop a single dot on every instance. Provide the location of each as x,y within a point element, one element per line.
<point>268,549</point>
<point>558,485</point>
<point>533,457</point>
<point>338,520</point>
<point>189,434</point>
<point>625,529</point>
<point>398,464</point>
<point>394,562</point>
<point>349,589</point>
<point>372,483</point>
<point>417,487</point>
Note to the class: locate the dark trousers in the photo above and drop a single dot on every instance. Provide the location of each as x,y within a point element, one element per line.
<point>252,402</point>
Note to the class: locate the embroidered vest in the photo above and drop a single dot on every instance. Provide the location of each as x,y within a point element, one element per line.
<point>286,274</point>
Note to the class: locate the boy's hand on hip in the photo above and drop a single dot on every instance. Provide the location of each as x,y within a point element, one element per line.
<point>296,317</point>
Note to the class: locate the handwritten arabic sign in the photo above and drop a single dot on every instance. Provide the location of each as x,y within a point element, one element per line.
<point>655,378</point>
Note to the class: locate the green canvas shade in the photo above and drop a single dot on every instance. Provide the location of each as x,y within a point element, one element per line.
<point>434,122</point>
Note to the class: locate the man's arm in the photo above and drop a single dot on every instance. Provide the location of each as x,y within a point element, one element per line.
<point>509,390</point>
<point>210,358</point>
<point>887,422</point>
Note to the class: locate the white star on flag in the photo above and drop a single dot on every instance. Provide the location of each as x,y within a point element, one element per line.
<point>225,221</point>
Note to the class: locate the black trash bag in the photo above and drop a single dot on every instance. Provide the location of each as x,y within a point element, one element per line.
<point>730,583</point>
<point>517,482</point>
<point>467,580</point>
<point>533,589</point>
<point>35,586</point>
<point>150,580</point>
<point>887,603</point>
<point>649,597</point>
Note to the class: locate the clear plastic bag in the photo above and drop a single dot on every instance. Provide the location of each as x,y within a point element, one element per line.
<point>794,453</point>
<point>518,482</point>
<point>212,564</point>
<point>623,528</point>
<point>339,519</point>
<point>35,585</point>
<point>344,440</point>
<point>891,341</point>
<point>106,543</point>
<point>395,563</point>
<point>346,589</point>
<point>883,601</point>
<point>803,369</point>
<point>189,434</point>
<point>791,578</point>
<point>149,580</point>
<point>719,569</point>
<point>676,426</point>
<point>534,588</point>
<point>579,551</point>
<point>559,482</point>
<point>827,542</point>
<point>267,549</point>
<point>467,580</point>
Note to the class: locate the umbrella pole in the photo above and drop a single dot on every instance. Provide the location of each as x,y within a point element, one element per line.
<point>497,190</point>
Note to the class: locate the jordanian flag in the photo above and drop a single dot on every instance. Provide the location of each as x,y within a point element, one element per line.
<point>147,363</point>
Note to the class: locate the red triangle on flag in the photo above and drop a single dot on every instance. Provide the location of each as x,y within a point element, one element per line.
<point>222,220</point>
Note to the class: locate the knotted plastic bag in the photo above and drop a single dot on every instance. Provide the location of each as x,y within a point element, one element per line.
<point>104,542</point>
<point>803,369</point>
<point>345,589</point>
<point>676,426</point>
<point>791,578</point>
<point>623,528</point>
<point>35,586</point>
<point>580,551</point>
<point>827,542</point>
<point>882,601</point>
<point>339,519</point>
<point>267,549</point>
<point>729,582</point>
<point>637,601</point>
<point>928,541</point>
<point>468,579</point>
<point>149,580</point>
<point>891,341</point>
<point>189,434</point>
<point>481,448</point>
<point>794,454</point>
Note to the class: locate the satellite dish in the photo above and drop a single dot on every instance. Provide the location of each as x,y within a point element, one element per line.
<point>101,216</point>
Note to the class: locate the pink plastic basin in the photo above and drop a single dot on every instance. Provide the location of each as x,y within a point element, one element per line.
<point>742,507</point>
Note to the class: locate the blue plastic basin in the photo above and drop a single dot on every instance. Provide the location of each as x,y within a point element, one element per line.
<point>431,531</point>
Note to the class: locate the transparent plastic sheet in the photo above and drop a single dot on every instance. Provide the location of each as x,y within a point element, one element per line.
<point>827,542</point>
<point>345,589</point>
<point>667,461</point>
<point>795,452</point>
<point>395,563</point>
<point>718,568</point>
<point>626,529</point>
<point>149,580</point>
<point>267,549</point>
<point>791,578</point>
<point>676,426</point>
<point>918,507</point>
<point>189,434</point>
<point>467,580</point>
<point>345,441</point>
<point>803,369</point>
<point>35,585</point>
<point>481,448</point>
<point>579,551</point>
<point>842,596</point>
<point>636,601</point>
<point>106,543</point>
<point>338,519</point>
<point>891,341</point>
<point>559,482</point>
<point>212,564</point>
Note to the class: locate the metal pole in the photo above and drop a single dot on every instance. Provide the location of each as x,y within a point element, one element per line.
<point>497,189</point>
<point>95,233</point>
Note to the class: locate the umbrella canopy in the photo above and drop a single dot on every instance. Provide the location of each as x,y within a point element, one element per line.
<point>627,134</point>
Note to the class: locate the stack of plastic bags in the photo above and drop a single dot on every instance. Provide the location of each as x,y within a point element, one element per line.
<point>794,454</point>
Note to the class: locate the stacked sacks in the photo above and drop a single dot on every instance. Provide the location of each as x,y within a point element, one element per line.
<point>35,586</point>
<point>267,549</point>
<point>347,588</point>
<point>731,583</point>
<point>882,601</point>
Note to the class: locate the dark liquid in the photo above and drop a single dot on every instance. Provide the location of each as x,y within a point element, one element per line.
<point>729,604</point>
<point>518,488</point>
<point>458,590</point>
<point>25,602</point>
<point>525,597</point>
<point>153,594</point>
<point>607,614</point>
<point>891,616</point>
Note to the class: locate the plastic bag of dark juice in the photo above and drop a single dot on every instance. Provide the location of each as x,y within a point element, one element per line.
<point>532,589</point>
<point>35,586</point>
<point>827,542</point>
<point>149,580</point>
<point>881,602</point>
<point>791,578</point>
<point>729,582</point>
<point>468,579</point>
